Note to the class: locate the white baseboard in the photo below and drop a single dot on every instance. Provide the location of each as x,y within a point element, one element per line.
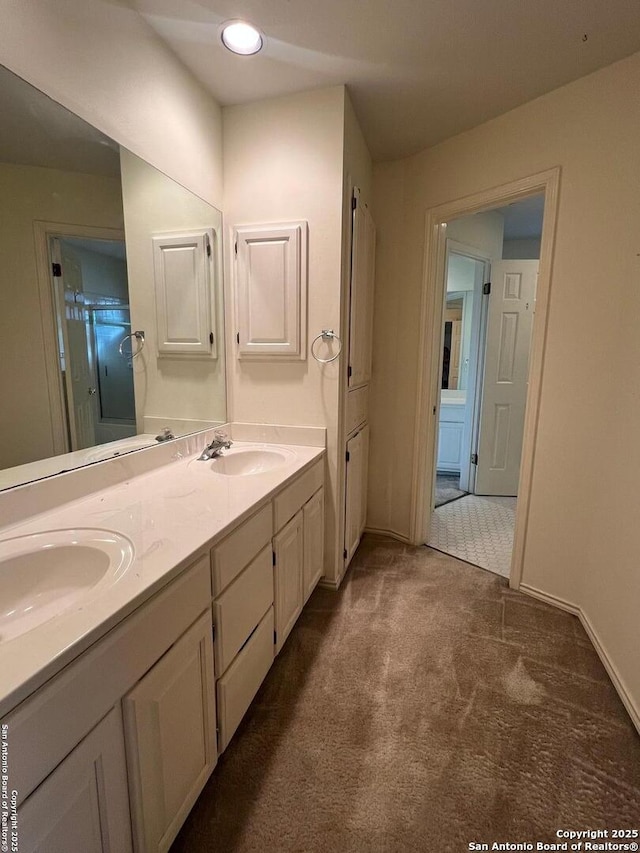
<point>608,664</point>
<point>378,531</point>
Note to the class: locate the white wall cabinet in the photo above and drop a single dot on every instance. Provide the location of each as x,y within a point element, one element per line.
<point>170,724</point>
<point>83,805</point>
<point>360,325</point>
<point>184,277</point>
<point>361,293</point>
<point>271,290</point>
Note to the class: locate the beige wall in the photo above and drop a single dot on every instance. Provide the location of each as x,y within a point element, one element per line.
<point>31,193</point>
<point>283,162</point>
<point>187,393</point>
<point>583,537</point>
<point>102,61</point>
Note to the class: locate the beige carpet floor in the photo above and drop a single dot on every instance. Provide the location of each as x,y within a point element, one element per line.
<point>422,707</point>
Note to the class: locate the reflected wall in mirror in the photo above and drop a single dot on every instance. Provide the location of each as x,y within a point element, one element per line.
<point>103,257</point>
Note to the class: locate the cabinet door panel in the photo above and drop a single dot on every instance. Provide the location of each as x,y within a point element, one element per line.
<point>83,806</point>
<point>361,296</point>
<point>170,737</point>
<point>313,542</point>
<point>353,509</point>
<point>183,272</point>
<point>288,546</point>
<point>271,290</point>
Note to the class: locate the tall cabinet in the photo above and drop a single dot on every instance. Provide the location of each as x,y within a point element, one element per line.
<point>360,328</point>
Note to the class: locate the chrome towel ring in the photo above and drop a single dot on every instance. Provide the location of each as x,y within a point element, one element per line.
<point>139,336</point>
<point>326,335</point>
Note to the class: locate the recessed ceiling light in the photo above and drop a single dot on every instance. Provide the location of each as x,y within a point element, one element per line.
<point>240,37</point>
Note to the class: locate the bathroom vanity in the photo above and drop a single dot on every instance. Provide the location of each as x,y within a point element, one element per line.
<point>115,709</point>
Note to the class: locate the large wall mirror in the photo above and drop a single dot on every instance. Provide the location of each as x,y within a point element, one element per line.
<point>111,297</point>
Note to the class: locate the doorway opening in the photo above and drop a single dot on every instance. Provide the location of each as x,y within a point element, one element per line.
<point>482,438</point>
<point>91,308</point>
<point>491,273</point>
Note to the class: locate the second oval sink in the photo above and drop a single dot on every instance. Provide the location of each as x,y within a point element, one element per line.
<point>243,461</point>
<point>44,574</point>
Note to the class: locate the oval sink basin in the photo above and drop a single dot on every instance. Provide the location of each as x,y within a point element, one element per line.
<point>243,461</point>
<point>44,574</point>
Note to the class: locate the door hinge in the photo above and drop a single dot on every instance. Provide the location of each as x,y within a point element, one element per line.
<point>349,371</point>
<point>208,244</point>
<point>275,638</point>
<point>213,633</point>
<point>273,557</point>
<point>345,554</point>
<point>486,288</point>
<point>235,246</point>
<point>354,202</point>
<point>348,456</point>
<point>210,337</point>
<point>56,269</point>
<point>238,337</point>
<point>474,458</point>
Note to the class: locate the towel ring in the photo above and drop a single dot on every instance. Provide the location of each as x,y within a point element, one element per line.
<point>326,335</point>
<point>139,336</point>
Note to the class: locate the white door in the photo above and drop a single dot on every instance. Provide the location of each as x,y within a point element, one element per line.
<point>504,390</point>
<point>78,375</point>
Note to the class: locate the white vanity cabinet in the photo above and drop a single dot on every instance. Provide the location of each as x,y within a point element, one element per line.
<point>242,568</point>
<point>67,739</point>
<point>298,514</point>
<point>170,724</point>
<point>83,805</point>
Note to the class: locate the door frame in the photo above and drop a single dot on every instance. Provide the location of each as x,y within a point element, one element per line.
<point>429,356</point>
<point>42,232</point>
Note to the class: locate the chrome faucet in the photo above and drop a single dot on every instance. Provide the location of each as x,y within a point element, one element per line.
<point>220,442</point>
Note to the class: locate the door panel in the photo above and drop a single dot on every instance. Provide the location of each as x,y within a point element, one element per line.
<point>504,394</point>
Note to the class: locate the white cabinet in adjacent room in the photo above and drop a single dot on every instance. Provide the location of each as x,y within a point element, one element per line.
<point>271,290</point>
<point>83,805</point>
<point>170,723</point>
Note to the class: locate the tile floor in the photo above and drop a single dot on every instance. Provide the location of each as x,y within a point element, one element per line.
<point>476,529</point>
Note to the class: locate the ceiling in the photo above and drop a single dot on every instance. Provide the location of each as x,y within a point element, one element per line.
<point>418,71</point>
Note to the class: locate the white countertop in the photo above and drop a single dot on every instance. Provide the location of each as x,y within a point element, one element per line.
<point>171,515</point>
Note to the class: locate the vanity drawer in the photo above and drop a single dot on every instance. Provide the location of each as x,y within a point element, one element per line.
<point>240,683</point>
<point>230,557</point>
<point>240,607</point>
<point>48,725</point>
<point>289,501</point>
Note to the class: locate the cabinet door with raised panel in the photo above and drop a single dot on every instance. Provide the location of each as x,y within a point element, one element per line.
<point>271,290</point>
<point>83,806</point>
<point>288,547</point>
<point>313,512</point>
<point>353,508</point>
<point>170,723</point>
<point>183,272</point>
<point>361,295</point>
